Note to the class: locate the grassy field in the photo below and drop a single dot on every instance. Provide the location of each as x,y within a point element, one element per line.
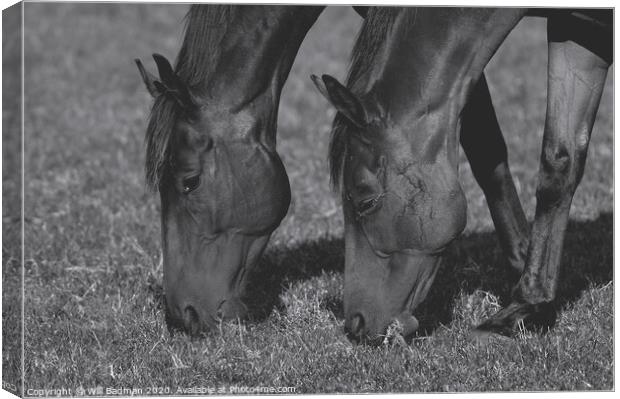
<point>93,305</point>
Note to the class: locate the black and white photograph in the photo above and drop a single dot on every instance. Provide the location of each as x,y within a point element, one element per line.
<point>229,199</point>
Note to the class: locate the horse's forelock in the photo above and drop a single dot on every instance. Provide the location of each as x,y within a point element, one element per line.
<point>205,26</point>
<point>368,44</point>
<point>337,150</point>
<point>158,139</point>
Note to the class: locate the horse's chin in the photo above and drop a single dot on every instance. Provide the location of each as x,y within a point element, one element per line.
<point>407,324</point>
<point>400,328</point>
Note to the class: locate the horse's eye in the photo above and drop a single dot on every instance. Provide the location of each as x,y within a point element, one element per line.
<point>190,184</point>
<point>366,206</point>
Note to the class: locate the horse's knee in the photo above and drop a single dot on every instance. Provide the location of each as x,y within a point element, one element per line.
<point>562,167</point>
<point>555,170</point>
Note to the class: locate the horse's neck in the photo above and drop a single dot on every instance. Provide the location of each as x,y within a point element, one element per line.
<point>256,54</point>
<point>432,59</point>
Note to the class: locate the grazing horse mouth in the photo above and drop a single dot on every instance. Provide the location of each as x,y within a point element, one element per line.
<point>404,325</point>
<point>200,298</point>
<point>194,322</point>
<point>376,318</point>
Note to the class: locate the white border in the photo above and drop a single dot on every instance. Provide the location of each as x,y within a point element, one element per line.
<point>487,3</point>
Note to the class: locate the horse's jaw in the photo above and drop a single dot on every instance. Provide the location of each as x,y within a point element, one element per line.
<point>207,288</point>
<point>382,291</point>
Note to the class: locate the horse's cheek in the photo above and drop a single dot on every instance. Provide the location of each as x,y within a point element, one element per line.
<point>381,231</point>
<point>381,239</point>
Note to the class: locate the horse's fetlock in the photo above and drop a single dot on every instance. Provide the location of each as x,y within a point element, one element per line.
<point>527,290</point>
<point>516,261</point>
<point>529,295</point>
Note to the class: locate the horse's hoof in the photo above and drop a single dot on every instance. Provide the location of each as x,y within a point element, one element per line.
<point>543,318</point>
<point>516,316</point>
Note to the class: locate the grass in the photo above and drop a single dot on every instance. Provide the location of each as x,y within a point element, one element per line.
<point>11,195</point>
<point>93,305</point>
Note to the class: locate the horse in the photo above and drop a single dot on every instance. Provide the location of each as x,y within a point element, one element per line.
<point>416,89</point>
<point>211,153</point>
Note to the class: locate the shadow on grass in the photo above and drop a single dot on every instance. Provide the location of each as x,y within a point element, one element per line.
<point>282,267</point>
<point>474,262</point>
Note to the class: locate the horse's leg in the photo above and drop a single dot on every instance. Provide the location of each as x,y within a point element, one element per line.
<point>575,84</point>
<point>482,140</point>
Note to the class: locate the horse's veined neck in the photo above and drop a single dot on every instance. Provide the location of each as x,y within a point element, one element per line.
<point>433,57</point>
<point>431,52</point>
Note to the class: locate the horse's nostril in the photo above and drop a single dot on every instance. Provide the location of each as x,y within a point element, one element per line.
<point>355,329</point>
<point>191,321</point>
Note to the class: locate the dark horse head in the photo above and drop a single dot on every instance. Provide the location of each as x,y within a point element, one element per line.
<point>211,153</point>
<point>394,154</point>
<point>402,207</point>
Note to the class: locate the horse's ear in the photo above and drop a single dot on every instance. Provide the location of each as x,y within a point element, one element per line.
<point>166,73</point>
<point>149,79</point>
<point>171,84</point>
<point>320,86</point>
<point>340,97</point>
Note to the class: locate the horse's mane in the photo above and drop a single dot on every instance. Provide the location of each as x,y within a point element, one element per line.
<point>368,45</point>
<point>205,26</point>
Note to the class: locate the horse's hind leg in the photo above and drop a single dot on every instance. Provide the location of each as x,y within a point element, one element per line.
<point>576,80</point>
<point>482,140</point>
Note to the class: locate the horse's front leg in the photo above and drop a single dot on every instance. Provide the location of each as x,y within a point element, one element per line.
<point>575,84</point>
<point>484,145</point>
